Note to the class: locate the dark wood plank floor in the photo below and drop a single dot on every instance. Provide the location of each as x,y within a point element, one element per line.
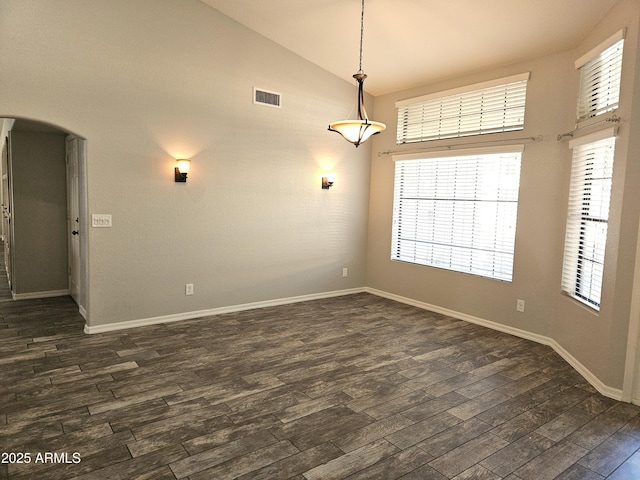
<point>354,387</point>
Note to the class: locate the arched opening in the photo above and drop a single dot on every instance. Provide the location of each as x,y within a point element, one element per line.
<point>44,211</point>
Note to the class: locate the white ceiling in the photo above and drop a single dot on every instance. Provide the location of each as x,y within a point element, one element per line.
<point>409,43</point>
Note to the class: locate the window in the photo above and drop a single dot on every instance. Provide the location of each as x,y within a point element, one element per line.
<point>490,107</point>
<point>586,234</point>
<point>600,71</point>
<point>458,212</point>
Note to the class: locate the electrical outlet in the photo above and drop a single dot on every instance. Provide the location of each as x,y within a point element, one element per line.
<point>345,272</point>
<point>520,305</point>
<point>188,289</point>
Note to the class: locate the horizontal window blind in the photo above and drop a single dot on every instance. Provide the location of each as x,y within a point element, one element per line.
<point>600,82</point>
<point>458,212</point>
<point>464,112</point>
<point>587,220</point>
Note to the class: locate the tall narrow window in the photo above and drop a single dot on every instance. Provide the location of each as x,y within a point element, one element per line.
<point>458,212</point>
<point>489,107</point>
<point>600,71</point>
<point>588,216</point>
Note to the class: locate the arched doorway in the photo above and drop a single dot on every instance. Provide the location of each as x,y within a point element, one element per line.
<point>44,211</point>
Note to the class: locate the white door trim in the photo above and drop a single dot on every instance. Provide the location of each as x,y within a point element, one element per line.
<point>81,226</point>
<point>631,381</point>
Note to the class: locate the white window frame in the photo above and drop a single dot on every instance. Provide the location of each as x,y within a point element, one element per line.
<point>588,216</point>
<point>600,76</point>
<point>457,210</point>
<point>482,108</point>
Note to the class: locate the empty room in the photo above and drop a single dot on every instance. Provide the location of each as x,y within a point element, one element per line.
<point>320,239</point>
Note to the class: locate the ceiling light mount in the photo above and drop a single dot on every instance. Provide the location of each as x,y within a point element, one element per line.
<point>359,130</point>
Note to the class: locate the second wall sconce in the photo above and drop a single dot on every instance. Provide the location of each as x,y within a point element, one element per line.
<point>182,169</point>
<point>327,182</point>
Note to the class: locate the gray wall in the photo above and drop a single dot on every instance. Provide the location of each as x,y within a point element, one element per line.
<point>148,84</point>
<point>597,341</point>
<point>39,215</point>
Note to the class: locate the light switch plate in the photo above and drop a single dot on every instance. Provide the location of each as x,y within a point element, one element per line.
<point>101,220</point>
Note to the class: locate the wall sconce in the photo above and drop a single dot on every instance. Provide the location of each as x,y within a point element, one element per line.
<point>182,169</point>
<point>327,182</point>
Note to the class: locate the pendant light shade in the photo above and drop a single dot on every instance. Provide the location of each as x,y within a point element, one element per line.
<point>359,130</point>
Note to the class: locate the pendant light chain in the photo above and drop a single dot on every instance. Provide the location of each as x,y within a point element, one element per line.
<point>361,35</point>
<point>358,130</point>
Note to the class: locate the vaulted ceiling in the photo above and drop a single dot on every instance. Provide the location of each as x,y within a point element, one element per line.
<point>408,43</point>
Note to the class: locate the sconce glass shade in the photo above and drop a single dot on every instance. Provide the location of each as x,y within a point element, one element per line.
<point>182,169</point>
<point>183,165</point>
<point>359,130</point>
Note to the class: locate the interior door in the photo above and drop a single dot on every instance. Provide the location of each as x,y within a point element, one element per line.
<point>73,218</point>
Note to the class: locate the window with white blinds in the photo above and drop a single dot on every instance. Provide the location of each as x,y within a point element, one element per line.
<point>588,215</point>
<point>458,212</point>
<point>489,107</point>
<point>600,72</point>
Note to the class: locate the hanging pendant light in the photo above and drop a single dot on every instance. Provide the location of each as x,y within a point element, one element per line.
<point>359,130</point>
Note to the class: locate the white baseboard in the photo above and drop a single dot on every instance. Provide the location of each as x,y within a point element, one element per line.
<point>216,311</point>
<point>595,382</point>
<point>35,295</point>
<point>605,390</point>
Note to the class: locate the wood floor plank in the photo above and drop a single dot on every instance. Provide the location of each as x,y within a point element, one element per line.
<point>359,387</point>
<point>610,454</point>
<point>210,458</point>
<point>629,469</point>
<point>419,431</point>
<point>250,462</point>
<point>295,464</point>
<point>516,454</point>
<point>468,454</point>
<point>552,462</point>
<point>352,462</point>
<point>454,437</point>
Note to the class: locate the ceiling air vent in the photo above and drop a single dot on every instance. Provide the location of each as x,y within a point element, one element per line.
<point>264,97</point>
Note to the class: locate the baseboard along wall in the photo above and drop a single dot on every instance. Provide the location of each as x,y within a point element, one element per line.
<point>605,390</point>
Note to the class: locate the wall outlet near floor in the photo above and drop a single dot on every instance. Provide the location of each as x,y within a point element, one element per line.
<point>188,289</point>
<point>520,305</point>
<point>345,272</point>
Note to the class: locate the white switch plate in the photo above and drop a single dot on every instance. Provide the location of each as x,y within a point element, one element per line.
<point>520,305</point>
<point>101,220</point>
<point>345,272</point>
<point>188,289</point>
